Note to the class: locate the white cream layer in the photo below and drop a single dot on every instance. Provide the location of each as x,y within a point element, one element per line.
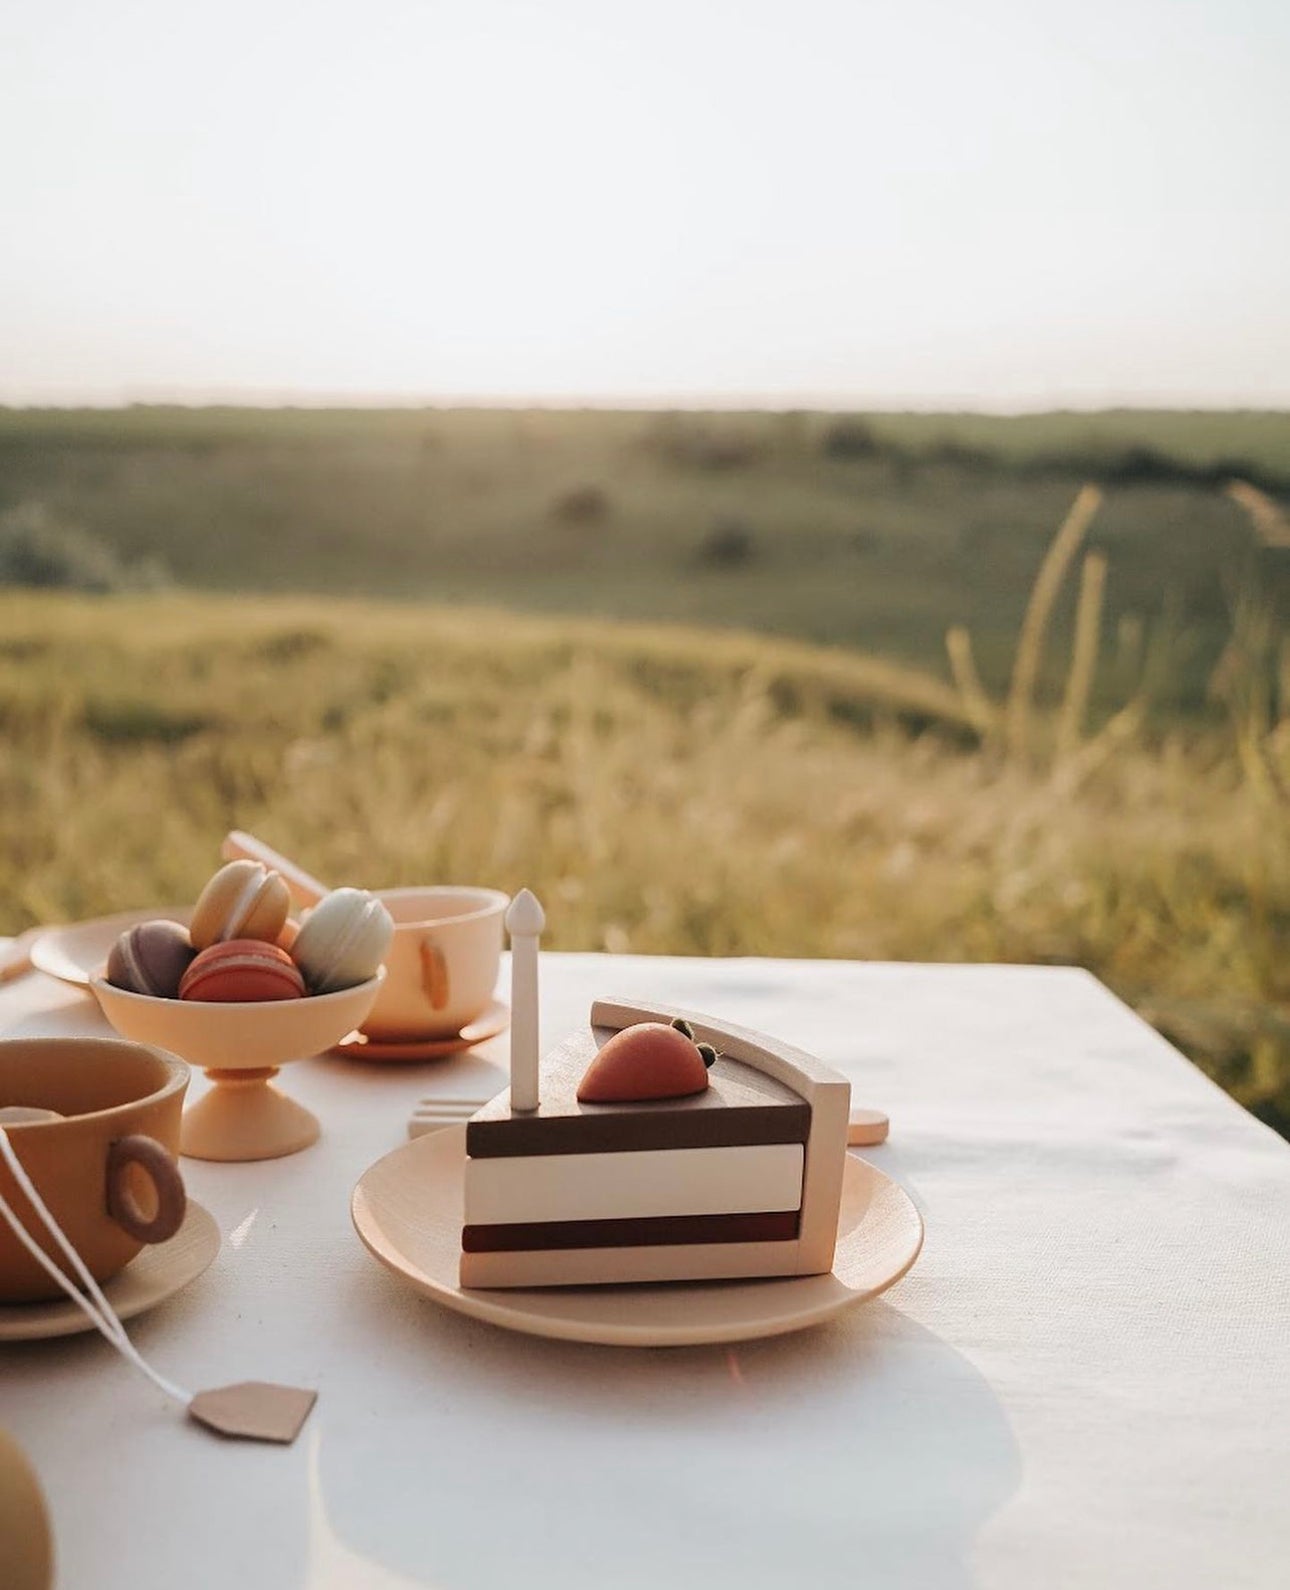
<point>667,1181</point>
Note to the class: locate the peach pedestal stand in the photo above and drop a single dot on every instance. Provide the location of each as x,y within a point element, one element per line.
<point>245,1117</point>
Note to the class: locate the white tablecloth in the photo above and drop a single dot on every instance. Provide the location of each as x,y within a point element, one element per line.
<point>1085,1380</point>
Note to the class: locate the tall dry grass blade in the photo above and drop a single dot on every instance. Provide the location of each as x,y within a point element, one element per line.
<point>1084,654</point>
<point>980,709</point>
<point>1258,770</point>
<point>1249,680</point>
<point>1130,645</point>
<point>1117,732</point>
<point>1270,521</point>
<point>1124,726</point>
<point>1223,675</point>
<point>1030,643</point>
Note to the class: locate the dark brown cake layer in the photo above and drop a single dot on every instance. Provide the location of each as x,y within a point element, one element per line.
<point>739,1108</point>
<point>648,1232</point>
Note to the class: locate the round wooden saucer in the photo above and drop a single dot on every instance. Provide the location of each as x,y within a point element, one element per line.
<point>157,1273</point>
<point>357,1046</point>
<point>407,1211</point>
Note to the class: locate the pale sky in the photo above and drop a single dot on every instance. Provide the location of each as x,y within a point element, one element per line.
<point>1006,203</point>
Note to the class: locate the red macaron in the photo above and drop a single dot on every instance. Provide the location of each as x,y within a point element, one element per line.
<point>242,971</point>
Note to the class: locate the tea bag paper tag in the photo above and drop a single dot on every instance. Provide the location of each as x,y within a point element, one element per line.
<point>254,1410</point>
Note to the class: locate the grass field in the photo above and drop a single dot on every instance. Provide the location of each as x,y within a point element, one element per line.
<point>791,684</point>
<point>875,532</point>
<point>664,789</point>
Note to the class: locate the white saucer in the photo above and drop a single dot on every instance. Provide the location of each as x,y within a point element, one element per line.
<point>407,1211</point>
<point>358,1046</point>
<point>156,1274</point>
<point>76,951</point>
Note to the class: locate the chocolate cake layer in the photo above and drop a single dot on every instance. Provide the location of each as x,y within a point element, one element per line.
<point>656,1231</point>
<point>740,1107</point>
<point>636,1132</point>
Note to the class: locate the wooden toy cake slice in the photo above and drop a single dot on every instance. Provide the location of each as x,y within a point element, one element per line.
<point>735,1172</point>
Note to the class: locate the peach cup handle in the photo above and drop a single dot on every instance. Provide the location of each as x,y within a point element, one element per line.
<point>434,974</point>
<point>162,1172</point>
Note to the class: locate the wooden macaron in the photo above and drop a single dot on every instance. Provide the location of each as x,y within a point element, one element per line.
<point>150,958</point>
<point>343,940</point>
<point>244,900</point>
<point>243,971</point>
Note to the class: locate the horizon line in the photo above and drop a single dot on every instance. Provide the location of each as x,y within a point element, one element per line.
<point>822,401</point>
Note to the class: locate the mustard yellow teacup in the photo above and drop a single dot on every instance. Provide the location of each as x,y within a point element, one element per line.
<point>105,1165</point>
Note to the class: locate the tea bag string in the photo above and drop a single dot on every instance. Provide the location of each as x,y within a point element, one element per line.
<point>96,1306</point>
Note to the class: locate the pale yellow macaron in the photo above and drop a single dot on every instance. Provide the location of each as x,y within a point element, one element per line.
<point>244,900</point>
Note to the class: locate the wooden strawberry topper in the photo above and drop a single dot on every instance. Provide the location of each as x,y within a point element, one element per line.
<point>650,1060</point>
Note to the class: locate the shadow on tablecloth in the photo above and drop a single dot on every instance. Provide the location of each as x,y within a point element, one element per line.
<point>861,1453</point>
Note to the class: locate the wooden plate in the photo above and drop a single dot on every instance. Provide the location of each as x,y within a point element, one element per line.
<point>358,1046</point>
<point>157,1273</point>
<point>407,1210</point>
<point>15,954</point>
<point>75,952</point>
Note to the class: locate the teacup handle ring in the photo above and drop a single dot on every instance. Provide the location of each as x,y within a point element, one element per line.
<point>434,974</point>
<point>162,1172</point>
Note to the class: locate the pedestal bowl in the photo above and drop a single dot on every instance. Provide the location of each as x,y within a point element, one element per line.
<point>241,1048</point>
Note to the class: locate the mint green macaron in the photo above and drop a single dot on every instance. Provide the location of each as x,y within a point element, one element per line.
<point>343,940</point>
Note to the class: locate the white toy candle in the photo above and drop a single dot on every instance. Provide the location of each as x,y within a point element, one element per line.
<point>525,920</point>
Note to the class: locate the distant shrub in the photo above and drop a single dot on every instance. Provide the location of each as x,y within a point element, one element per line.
<point>727,545</point>
<point>850,438</point>
<point>290,644</point>
<point>25,647</point>
<point>1139,465</point>
<point>961,455</point>
<point>581,505</point>
<point>695,443</point>
<point>865,541</point>
<point>726,450</point>
<point>39,550</point>
<point>389,676</point>
<point>1119,466</point>
<point>141,722</point>
<point>1143,465</point>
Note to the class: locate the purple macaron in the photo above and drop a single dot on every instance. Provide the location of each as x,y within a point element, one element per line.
<point>150,958</point>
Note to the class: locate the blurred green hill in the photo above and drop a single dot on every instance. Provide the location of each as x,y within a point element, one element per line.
<point>876,532</point>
